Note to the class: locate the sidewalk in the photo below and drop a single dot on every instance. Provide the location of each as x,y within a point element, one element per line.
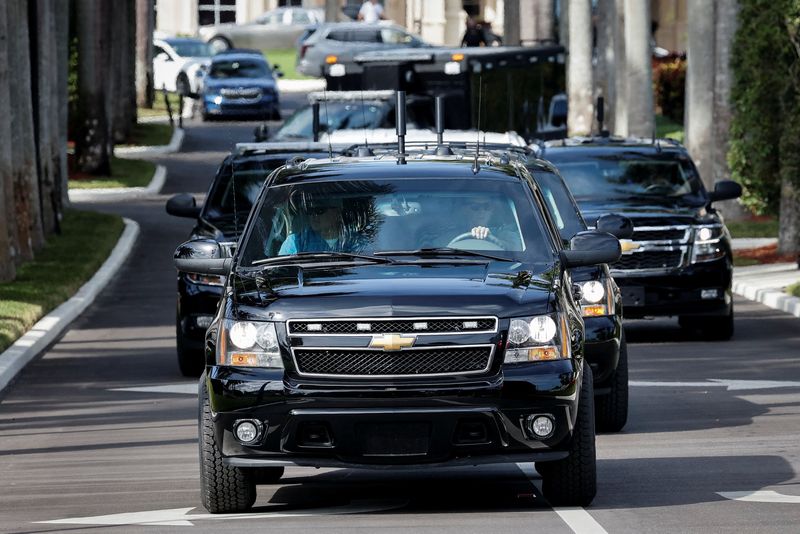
<point>766,284</point>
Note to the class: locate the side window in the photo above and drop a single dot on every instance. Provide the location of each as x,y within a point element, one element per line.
<point>392,36</point>
<point>158,50</point>
<point>338,35</point>
<point>300,17</point>
<point>365,36</point>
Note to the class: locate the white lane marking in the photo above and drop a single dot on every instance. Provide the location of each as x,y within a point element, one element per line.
<point>731,385</point>
<point>180,389</point>
<point>579,520</point>
<point>576,518</point>
<point>760,496</point>
<point>182,518</point>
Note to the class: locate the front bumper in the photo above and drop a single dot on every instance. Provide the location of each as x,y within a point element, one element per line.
<point>215,105</point>
<point>678,292</point>
<point>405,423</point>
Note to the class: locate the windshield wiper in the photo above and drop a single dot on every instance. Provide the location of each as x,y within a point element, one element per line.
<point>440,251</point>
<point>312,256</point>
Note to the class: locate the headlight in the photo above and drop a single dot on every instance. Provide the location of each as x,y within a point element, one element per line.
<point>596,299</point>
<point>540,338</point>
<point>707,246</point>
<point>249,344</point>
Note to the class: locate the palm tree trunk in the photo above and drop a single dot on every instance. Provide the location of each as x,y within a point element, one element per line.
<point>620,100</point>
<point>62,10</point>
<point>93,140</point>
<point>639,71</point>
<point>511,27</point>
<point>606,70</point>
<point>8,229</point>
<point>699,108</point>
<point>26,187</point>
<point>579,68</point>
<point>145,21</point>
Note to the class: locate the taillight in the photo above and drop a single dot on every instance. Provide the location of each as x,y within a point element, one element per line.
<point>303,50</point>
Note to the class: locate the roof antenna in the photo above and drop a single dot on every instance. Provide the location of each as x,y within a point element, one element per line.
<point>327,122</point>
<point>441,148</point>
<point>364,151</point>
<point>400,125</point>
<point>656,141</point>
<point>475,166</point>
<point>315,120</point>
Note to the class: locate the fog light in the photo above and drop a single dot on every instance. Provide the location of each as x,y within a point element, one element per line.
<point>247,431</point>
<point>709,293</point>
<point>540,426</point>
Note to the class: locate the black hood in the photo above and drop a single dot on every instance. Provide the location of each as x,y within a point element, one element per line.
<point>647,210</point>
<point>395,291</point>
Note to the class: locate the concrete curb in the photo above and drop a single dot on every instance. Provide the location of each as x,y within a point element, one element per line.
<point>120,193</point>
<point>137,152</point>
<point>52,325</point>
<point>764,284</point>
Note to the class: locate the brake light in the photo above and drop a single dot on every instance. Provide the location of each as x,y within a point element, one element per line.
<point>303,50</point>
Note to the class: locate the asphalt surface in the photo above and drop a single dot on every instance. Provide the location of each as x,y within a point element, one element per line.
<point>82,446</point>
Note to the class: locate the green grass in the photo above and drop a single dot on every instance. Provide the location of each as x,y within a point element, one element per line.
<point>150,134</point>
<point>159,108</point>
<point>794,289</point>
<point>666,127</point>
<point>124,173</point>
<point>753,228</point>
<point>285,58</point>
<point>65,263</point>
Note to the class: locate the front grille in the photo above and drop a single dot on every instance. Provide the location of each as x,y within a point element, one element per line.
<point>651,259</point>
<point>406,363</point>
<point>240,93</point>
<point>394,326</point>
<point>666,234</point>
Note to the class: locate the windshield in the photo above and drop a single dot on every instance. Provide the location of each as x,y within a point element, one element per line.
<point>617,176</point>
<point>337,116</point>
<point>367,217</point>
<point>250,176</point>
<point>562,207</point>
<point>239,68</point>
<point>190,49</point>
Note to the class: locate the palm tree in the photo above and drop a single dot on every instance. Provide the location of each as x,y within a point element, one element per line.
<point>699,108</point>
<point>638,70</point>
<point>144,53</point>
<point>8,230</point>
<point>579,68</point>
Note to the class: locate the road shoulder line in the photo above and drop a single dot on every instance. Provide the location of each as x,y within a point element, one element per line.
<point>52,325</point>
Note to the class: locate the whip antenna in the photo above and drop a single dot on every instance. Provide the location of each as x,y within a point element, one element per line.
<point>327,123</point>
<point>476,166</point>
<point>364,151</point>
<point>441,149</point>
<point>400,125</point>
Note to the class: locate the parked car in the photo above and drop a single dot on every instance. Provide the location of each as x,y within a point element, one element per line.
<point>341,41</point>
<point>679,262</point>
<point>221,219</point>
<point>179,64</point>
<point>278,28</point>
<point>240,83</point>
<point>352,110</point>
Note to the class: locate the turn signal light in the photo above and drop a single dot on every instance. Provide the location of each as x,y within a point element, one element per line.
<point>330,60</point>
<point>246,359</point>
<point>594,310</point>
<point>457,57</point>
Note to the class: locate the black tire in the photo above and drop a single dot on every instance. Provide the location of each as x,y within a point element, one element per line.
<point>611,409</point>
<point>190,362</point>
<point>223,489</point>
<point>219,44</point>
<point>572,481</point>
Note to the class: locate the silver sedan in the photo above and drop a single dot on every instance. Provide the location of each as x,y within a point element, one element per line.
<point>275,29</point>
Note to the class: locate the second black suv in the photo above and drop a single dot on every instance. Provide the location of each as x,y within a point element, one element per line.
<point>368,319</point>
<point>679,262</point>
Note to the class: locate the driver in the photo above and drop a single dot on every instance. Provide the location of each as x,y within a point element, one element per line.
<point>479,212</point>
<point>322,231</point>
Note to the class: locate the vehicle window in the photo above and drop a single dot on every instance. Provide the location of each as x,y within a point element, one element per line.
<point>300,17</point>
<point>339,35</point>
<point>337,116</point>
<point>392,36</point>
<point>242,193</point>
<point>364,36</point>
<point>158,50</point>
<point>562,207</point>
<point>190,49</point>
<point>629,176</point>
<point>273,17</point>
<point>239,68</point>
<point>380,215</point>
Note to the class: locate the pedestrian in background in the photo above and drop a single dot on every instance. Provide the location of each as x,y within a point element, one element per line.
<point>473,36</point>
<point>371,12</point>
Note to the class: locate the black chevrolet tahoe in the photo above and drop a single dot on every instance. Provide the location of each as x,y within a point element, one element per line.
<point>679,261</point>
<point>369,320</point>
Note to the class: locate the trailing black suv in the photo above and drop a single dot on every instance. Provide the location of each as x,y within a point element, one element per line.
<point>369,319</point>
<point>679,262</point>
<point>221,218</point>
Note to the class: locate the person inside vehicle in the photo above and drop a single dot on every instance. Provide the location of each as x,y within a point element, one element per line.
<point>371,12</point>
<point>322,233</point>
<point>476,219</point>
<point>484,215</point>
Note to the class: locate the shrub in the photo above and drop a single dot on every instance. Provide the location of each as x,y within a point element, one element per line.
<point>669,85</point>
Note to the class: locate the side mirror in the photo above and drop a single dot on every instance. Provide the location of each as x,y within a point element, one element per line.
<point>619,226</point>
<point>183,205</point>
<point>591,248</point>
<point>725,190</point>
<point>261,133</point>
<point>202,256</point>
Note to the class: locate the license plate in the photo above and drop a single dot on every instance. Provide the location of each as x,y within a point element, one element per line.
<point>632,296</point>
<point>394,439</point>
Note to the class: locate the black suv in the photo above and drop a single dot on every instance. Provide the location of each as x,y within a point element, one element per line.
<point>221,218</point>
<point>679,262</point>
<point>366,323</point>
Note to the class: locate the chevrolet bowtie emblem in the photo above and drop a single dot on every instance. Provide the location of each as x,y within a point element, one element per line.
<point>628,245</point>
<point>392,342</point>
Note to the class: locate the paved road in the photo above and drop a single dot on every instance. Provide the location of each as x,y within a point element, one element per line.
<point>79,442</point>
